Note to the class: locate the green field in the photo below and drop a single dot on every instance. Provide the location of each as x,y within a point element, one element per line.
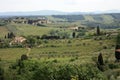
<point>63,51</point>
<point>84,49</point>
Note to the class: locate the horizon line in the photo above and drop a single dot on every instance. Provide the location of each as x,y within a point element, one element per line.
<point>61,11</point>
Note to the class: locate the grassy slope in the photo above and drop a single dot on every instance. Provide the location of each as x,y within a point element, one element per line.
<point>88,18</point>
<point>3,31</point>
<point>69,50</point>
<point>107,19</point>
<point>25,29</point>
<point>11,53</point>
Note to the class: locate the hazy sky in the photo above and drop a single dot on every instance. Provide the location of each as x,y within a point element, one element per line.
<point>60,5</point>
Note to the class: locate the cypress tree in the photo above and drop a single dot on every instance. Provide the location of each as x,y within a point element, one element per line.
<point>100,59</point>
<point>98,30</point>
<point>8,35</point>
<point>73,34</point>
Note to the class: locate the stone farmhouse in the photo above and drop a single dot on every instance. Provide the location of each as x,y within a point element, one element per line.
<point>17,40</point>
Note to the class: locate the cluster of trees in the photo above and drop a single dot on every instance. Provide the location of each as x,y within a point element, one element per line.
<point>55,34</point>
<point>10,35</point>
<point>4,43</point>
<point>99,32</point>
<point>33,70</point>
<point>50,37</point>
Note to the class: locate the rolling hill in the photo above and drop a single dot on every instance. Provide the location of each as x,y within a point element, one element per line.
<point>106,21</point>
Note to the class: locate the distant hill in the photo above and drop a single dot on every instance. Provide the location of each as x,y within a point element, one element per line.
<point>53,12</point>
<point>31,13</point>
<point>107,20</point>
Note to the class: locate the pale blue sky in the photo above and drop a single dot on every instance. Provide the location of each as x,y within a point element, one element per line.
<point>60,5</point>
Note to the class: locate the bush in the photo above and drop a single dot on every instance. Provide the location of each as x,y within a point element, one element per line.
<point>104,47</point>
<point>24,57</point>
<point>114,65</point>
<point>55,60</point>
<point>69,41</point>
<point>72,59</point>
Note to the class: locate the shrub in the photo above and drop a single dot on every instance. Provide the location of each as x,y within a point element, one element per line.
<point>55,60</point>
<point>69,41</point>
<point>24,57</point>
<point>104,47</point>
<point>113,65</point>
<point>72,59</point>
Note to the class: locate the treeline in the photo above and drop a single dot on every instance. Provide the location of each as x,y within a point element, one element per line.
<point>70,18</point>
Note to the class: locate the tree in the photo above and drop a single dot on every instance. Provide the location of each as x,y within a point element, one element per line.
<point>73,34</point>
<point>5,36</point>
<point>100,63</point>
<point>8,35</point>
<point>98,30</point>
<point>100,59</point>
<point>31,41</point>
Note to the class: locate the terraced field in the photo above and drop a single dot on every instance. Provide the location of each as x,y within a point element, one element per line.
<point>61,49</point>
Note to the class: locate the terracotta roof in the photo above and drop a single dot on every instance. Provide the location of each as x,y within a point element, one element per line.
<point>118,50</point>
